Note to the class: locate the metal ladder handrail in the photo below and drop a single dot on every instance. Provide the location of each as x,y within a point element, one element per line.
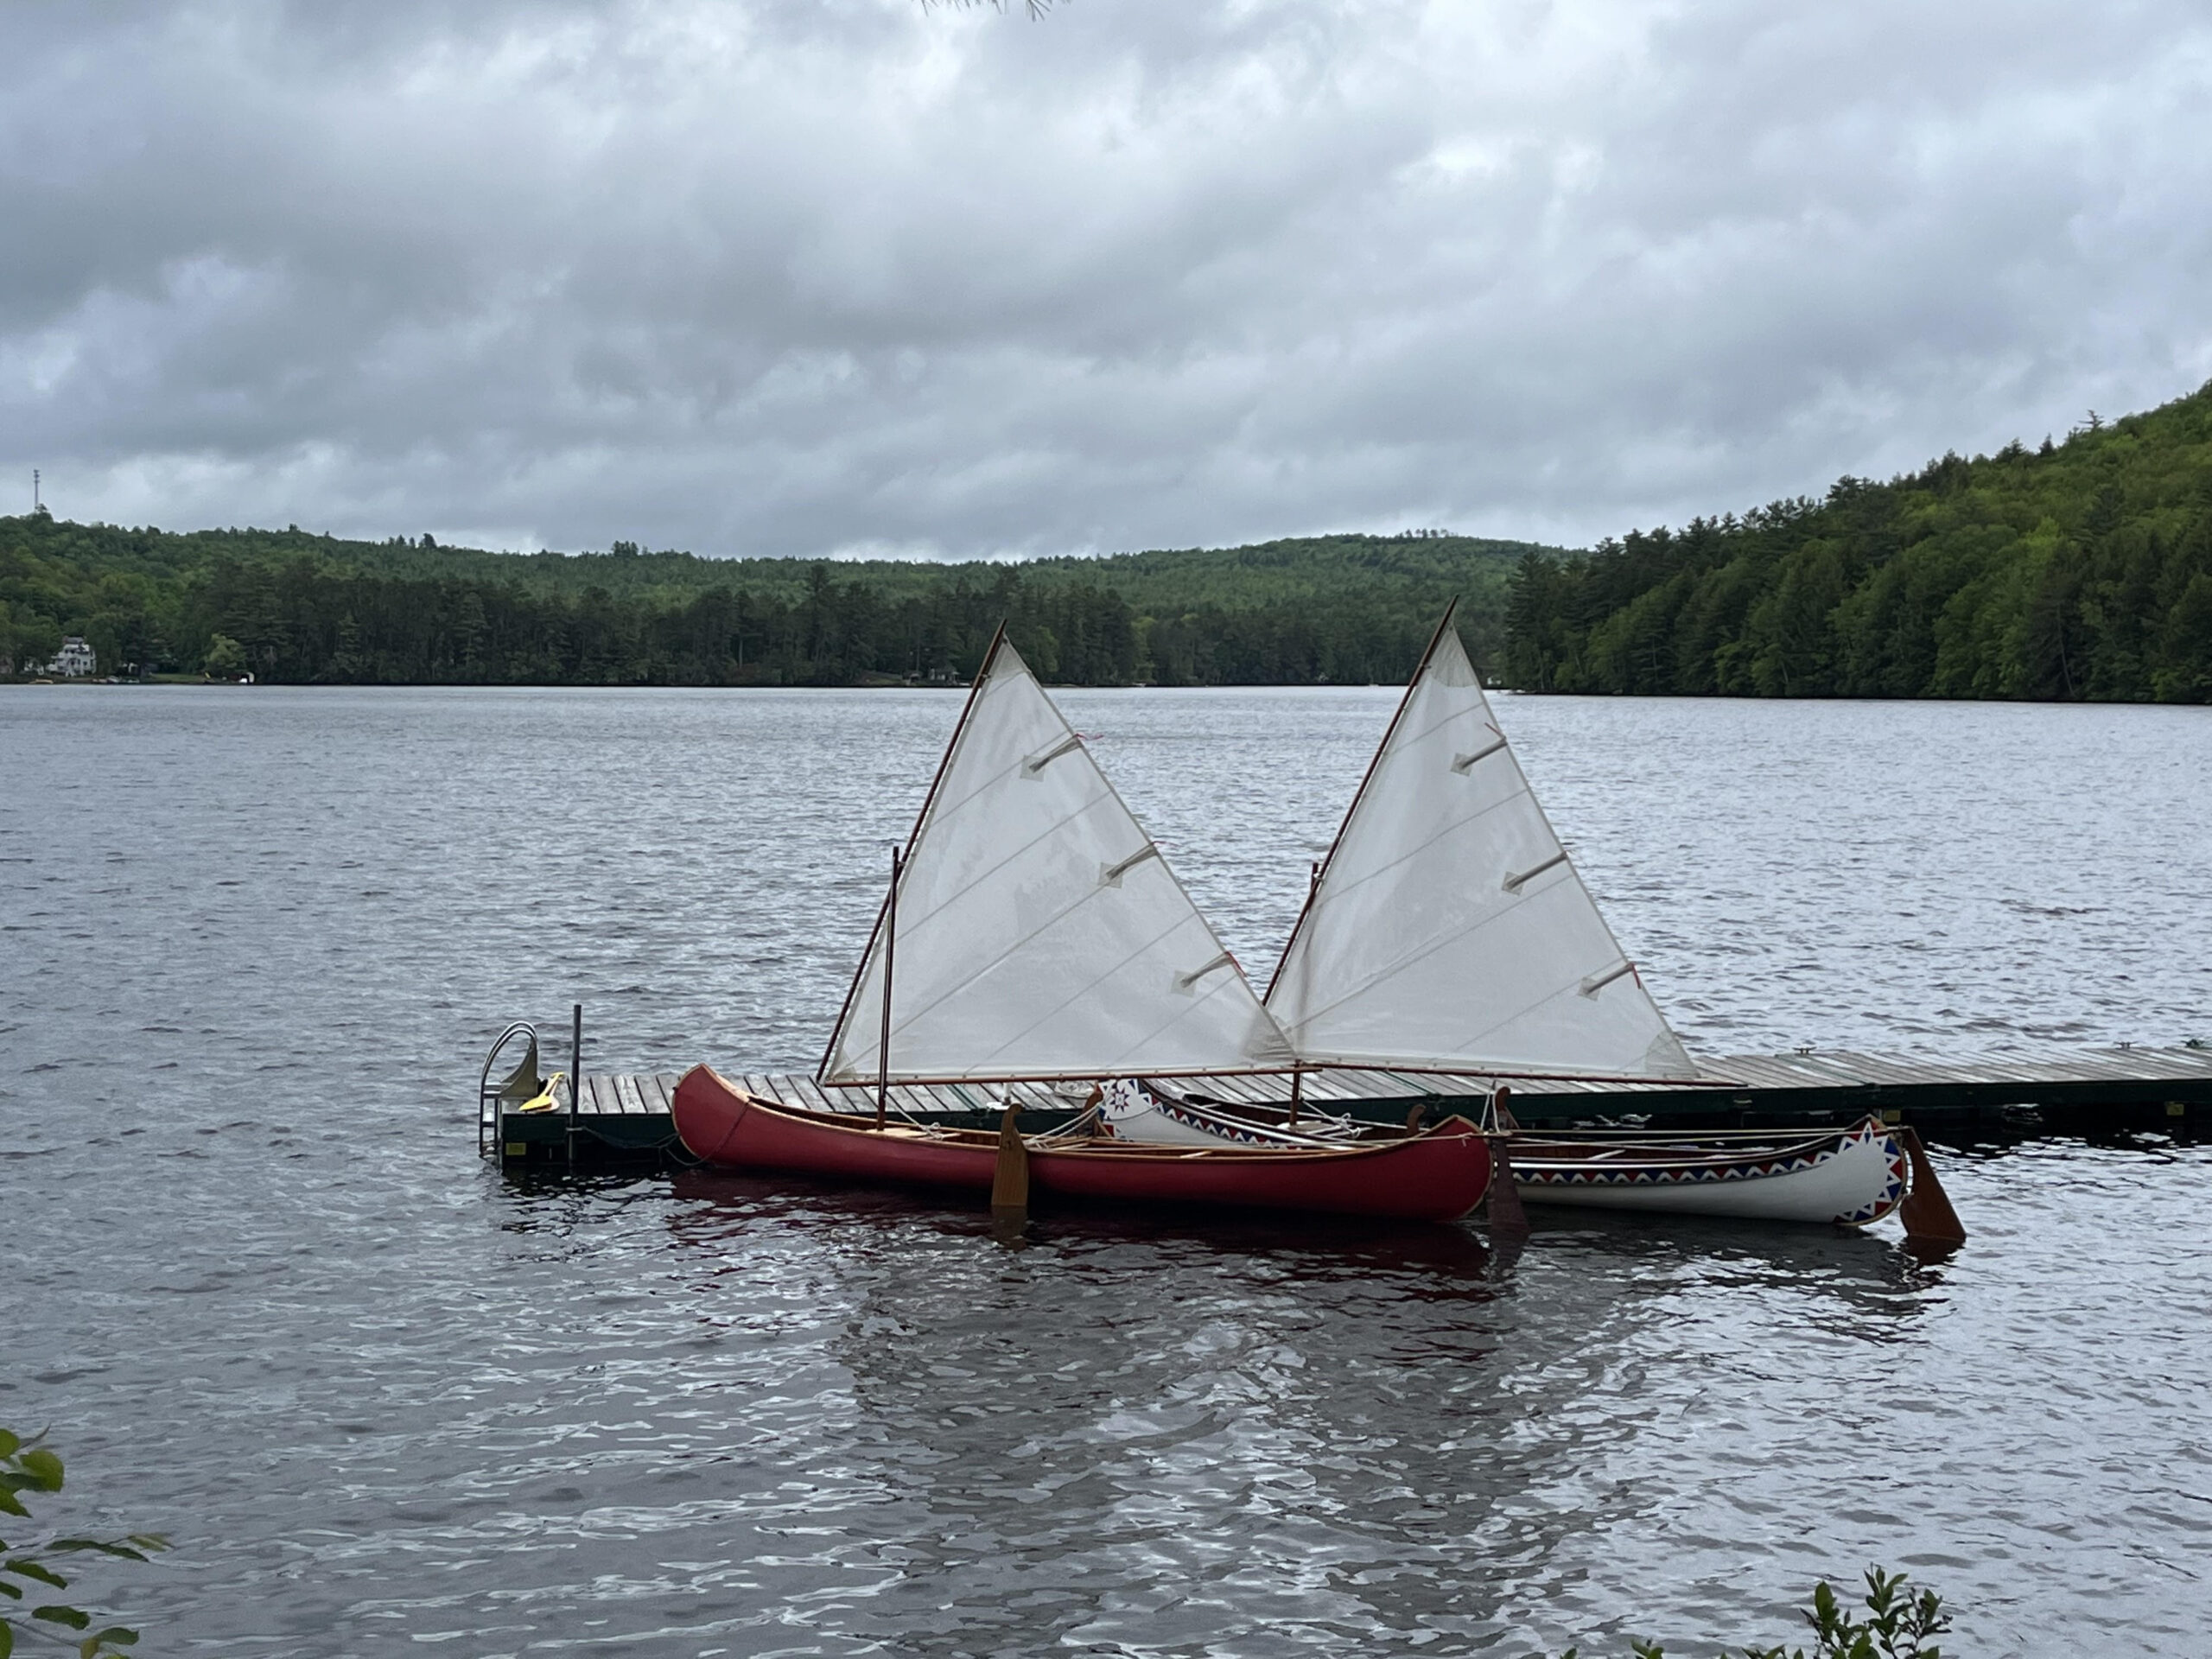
<point>490,1097</point>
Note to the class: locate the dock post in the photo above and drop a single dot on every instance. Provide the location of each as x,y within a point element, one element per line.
<point>575,1075</point>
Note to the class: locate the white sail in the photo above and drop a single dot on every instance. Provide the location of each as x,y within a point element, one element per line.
<point>1449,928</point>
<point>1040,933</point>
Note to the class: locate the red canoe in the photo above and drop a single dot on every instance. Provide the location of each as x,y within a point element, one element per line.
<point>1438,1175</point>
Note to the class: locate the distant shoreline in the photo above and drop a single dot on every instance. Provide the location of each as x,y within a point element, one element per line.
<point>180,682</point>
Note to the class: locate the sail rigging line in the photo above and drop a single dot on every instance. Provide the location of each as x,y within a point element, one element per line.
<point>1321,870</point>
<point>1397,968</point>
<point>1223,960</point>
<point>967,708</point>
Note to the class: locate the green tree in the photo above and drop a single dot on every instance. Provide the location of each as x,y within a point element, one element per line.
<point>225,658</point>
<point>2186,676</point>
<point>2055,574</point>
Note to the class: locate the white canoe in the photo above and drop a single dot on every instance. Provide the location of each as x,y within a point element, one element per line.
<point>1851,1177</point>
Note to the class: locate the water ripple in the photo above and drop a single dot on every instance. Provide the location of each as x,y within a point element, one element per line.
<point>384,1398</point>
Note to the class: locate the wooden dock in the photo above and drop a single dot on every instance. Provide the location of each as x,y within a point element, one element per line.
<point>624,1118</point>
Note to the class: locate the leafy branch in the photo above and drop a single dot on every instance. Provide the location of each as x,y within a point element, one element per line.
<point>32,1466</point>
<point>1898,1625</point>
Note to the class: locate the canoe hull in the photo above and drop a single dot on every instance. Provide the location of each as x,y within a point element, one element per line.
<point>1850,1177</point>
<point>1439,1175</point>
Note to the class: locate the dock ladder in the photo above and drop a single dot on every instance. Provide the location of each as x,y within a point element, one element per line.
<point>498,1094</point>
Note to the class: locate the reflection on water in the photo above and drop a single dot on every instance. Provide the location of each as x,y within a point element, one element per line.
<point>386,1398</point>
<point>1232,1435</point>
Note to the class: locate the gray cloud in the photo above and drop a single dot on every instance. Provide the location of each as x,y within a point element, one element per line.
<point>790,279</point>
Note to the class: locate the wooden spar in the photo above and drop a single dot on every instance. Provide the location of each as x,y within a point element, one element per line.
<point>1486,1074</point>
<point>1297,1075</point>
<point>1313,882</point>
<point>890,958</point>
<point>1424,1069</point>
<point>968,709</point>
<point>1926,1211</point>
<point>1321,870</point>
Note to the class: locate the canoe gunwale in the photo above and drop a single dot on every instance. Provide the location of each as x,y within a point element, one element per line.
<point>1438,1175</point>
<point>1535,1151</point>
<point>1049,1145</point>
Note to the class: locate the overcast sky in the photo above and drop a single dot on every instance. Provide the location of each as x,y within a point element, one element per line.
<point>859,278</point>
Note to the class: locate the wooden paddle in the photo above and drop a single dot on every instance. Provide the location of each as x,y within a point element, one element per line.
<point>1506,1215</point>
<point>1926,1211</point>
<point>1010,1183</point>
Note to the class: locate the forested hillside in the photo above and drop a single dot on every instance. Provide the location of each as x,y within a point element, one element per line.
<point>293,607</point>
<point>2078,570</point>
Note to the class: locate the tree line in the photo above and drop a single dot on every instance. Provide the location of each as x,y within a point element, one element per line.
<point>2075,571</point>
<point>293,607</point>
<point>2080,570</point>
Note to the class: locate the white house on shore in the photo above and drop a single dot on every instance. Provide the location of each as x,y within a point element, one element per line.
<point>76,660</point>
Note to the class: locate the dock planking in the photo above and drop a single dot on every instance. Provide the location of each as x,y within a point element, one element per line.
<point>623,1117</point>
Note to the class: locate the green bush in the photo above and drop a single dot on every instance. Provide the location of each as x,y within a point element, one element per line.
<point>1897,1626</point>
<point>29,1570</point>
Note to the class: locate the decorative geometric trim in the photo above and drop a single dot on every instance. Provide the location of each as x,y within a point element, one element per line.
<point>1176,1111</point>
<point>1744,1169</point>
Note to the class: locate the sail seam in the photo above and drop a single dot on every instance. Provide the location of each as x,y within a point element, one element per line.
<point>1136,1046</point>
<point>1416,850</point>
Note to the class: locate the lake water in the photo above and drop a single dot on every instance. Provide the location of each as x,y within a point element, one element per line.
<point>252,943</point>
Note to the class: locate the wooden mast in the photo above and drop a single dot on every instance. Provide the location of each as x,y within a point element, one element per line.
<point>890,955</point>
